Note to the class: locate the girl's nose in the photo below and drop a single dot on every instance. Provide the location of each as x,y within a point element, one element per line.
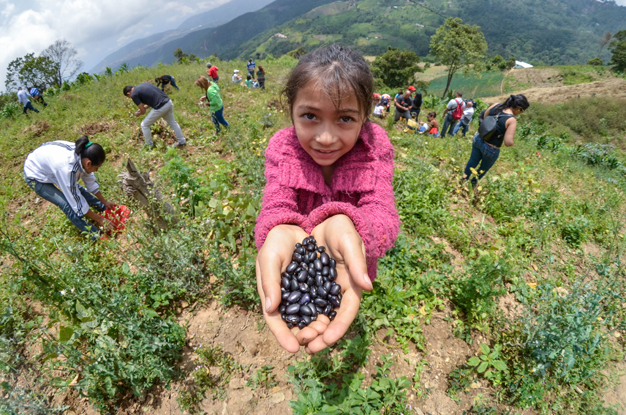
<point>326,137</point>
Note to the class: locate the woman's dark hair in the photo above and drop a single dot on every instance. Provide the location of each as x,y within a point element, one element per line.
<point>261,69</point>
<point>93,151</point>
<point>127,89</point>
<point>249,77</point>
<point>516,101</point>
<point>336,70</point>
<point>432,114</point>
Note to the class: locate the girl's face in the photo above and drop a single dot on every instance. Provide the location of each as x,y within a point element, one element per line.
<point>325,132</point>
<point>88,166</point>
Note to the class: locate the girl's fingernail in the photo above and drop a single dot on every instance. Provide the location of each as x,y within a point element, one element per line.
<point>368,282</point>
<point>306,341</point>
<point>268,304</point>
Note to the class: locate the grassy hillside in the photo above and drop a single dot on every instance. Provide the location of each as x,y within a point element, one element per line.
<point>524,273</point>
<point>553,32</point>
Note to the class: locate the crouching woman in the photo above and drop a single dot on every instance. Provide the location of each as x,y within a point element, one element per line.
<point>53,171</point>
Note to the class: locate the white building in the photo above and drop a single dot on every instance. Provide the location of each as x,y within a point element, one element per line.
<point>522,65</point>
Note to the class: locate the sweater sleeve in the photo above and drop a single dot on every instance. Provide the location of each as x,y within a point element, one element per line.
<point>66,180</point>
<point>91,184</point>
<point>375,216</point>
<point>279,205</point>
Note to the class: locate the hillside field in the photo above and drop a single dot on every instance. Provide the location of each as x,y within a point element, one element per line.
<point>504,299</point>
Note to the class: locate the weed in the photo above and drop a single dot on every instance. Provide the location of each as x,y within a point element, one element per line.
<point>263,377</point>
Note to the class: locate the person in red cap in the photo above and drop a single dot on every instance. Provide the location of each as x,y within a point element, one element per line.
<point>416,105</point>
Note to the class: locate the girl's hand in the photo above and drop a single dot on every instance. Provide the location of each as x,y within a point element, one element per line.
<point>202,98</point>
<point>272,259</point>
<point>343,243</point>
<point>108,205</point>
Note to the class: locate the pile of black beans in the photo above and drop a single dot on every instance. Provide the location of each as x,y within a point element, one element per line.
<point>308,285</point>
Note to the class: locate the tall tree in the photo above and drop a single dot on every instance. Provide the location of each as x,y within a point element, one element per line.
<point>28,70</point>
<point>64,55</point>
<point>618,51</point>
<point>396,68</point>
<point>459,47</point>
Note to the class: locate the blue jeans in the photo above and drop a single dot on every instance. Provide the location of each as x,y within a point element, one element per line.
<point>458,127</point>
<point>174,84</point>
<point>483,154</point>
<point>53,195</point>
<point>218,118</point>
<point>29,106</point>
<point>448,124</point>
<point>217,78</point>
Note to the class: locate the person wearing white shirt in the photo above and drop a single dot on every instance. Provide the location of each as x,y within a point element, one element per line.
<point>236,78</point>
<point>23,97</point>
<point>53,171</point>
<point>466,119</point>
<point>449,122</point>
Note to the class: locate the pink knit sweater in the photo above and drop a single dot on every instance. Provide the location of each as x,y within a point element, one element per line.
<point>361,188</point>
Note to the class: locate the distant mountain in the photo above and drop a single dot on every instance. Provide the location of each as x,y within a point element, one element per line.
<point>536,31</point>
<point>132,52</point>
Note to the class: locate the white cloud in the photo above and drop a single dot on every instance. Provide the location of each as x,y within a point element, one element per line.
<point>95,27</point>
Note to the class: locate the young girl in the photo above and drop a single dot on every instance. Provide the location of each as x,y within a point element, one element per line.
<point>249,81</point>
<point>486,153</point>
<point>214,99</point>
<point>63,163</point>
<point>329,176</point>
<point>432,126</point>
<point>260,76</point>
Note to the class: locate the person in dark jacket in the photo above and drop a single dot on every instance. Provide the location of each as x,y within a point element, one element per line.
<point>164,80</point>
<point>416,107</point>
<point>260,76</point>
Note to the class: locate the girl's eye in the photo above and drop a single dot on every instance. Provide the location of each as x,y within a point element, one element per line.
<point>308,116</point>
<point>346,118</point>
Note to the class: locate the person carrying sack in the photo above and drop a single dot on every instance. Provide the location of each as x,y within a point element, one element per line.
<point>498,127</point>
<point>452,114</point>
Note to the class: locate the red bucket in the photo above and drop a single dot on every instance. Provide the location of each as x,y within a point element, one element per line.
<point>117,215</point>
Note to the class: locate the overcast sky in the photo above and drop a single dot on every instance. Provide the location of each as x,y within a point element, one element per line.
<point>95,27</point>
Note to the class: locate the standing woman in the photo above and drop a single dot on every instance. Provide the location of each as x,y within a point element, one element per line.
<point>53,171</point>
<point>216,106</point>
<point>486,151</point>
<point>260,76</point>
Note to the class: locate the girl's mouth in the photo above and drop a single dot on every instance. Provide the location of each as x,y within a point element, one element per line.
<point>325,154</point>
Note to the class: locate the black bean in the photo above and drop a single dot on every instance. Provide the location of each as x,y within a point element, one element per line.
<point>335,289</point>
<point>319,281</point>
<point>284,281</point>
<point>294,285</point>
<point>314,317</point>
<point>328,309</point>
<point>283,316</point>
<point>328,285</point>
<point>332,274</point>
<point>306,298</point>
<point>310,247</point>
<point>333,263</point>
<point>321,292</point>
<point>285,275</point>
<point>300,250</point>
<point>313,291</point>
<point>294,297</point>
<point>318,265</point>
<point>320,302</point>
<point>298,245</point>
<point>292,267</point>
<point>310,281</point>
<point>311,272</point>
<point>305,310</point>
<point>312,256</point>
<point>282,308</point>
<point>292,309</point>
<point>302,276</point>
<point>293,319</point>
<point>325,258</point>
<point>304,266</point>
<point>285,295</point>
<point>303,287</point>
<point>306,320</point>
<point>339,296</point>
<point>312,240</point>
<point>326,271</point>
<point>320,310</point>
<point>296,257</point>
<point>335,301</point>
<point>289,325</point>
<point>332,315</point>
<point>301,325</point>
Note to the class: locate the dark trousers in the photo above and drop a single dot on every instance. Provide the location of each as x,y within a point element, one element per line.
<point>482,159</point>
<point>218,118</point>
<point>29,106</point>
<point>261,83</point>
<point>448,125</point>
<point>40,98</point>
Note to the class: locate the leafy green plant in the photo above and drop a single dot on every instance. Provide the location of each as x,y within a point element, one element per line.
<point>263,377</point>
<point>489,364</point>
<point>10,110</point>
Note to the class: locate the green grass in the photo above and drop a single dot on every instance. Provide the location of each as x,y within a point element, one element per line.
<point>544,229</point>
<point>472,86</point>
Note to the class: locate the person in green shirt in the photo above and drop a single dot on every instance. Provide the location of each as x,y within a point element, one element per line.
<point>213,98</point>
<point>249,82</point>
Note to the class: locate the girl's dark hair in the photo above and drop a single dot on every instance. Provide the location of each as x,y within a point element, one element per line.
<point>93,151</point>
<point>516,101</point>
<point>249,77</point>
<point>261,68</point>
<point>432,114</point>
<point>336,70</point>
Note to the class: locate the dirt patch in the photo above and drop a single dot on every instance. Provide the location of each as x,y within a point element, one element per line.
<point>609,88</point>
<point>96,127</point>
<point>510,307</point>
<point>616,395</point>
<point>37,129</point>
<point>277,104</point>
